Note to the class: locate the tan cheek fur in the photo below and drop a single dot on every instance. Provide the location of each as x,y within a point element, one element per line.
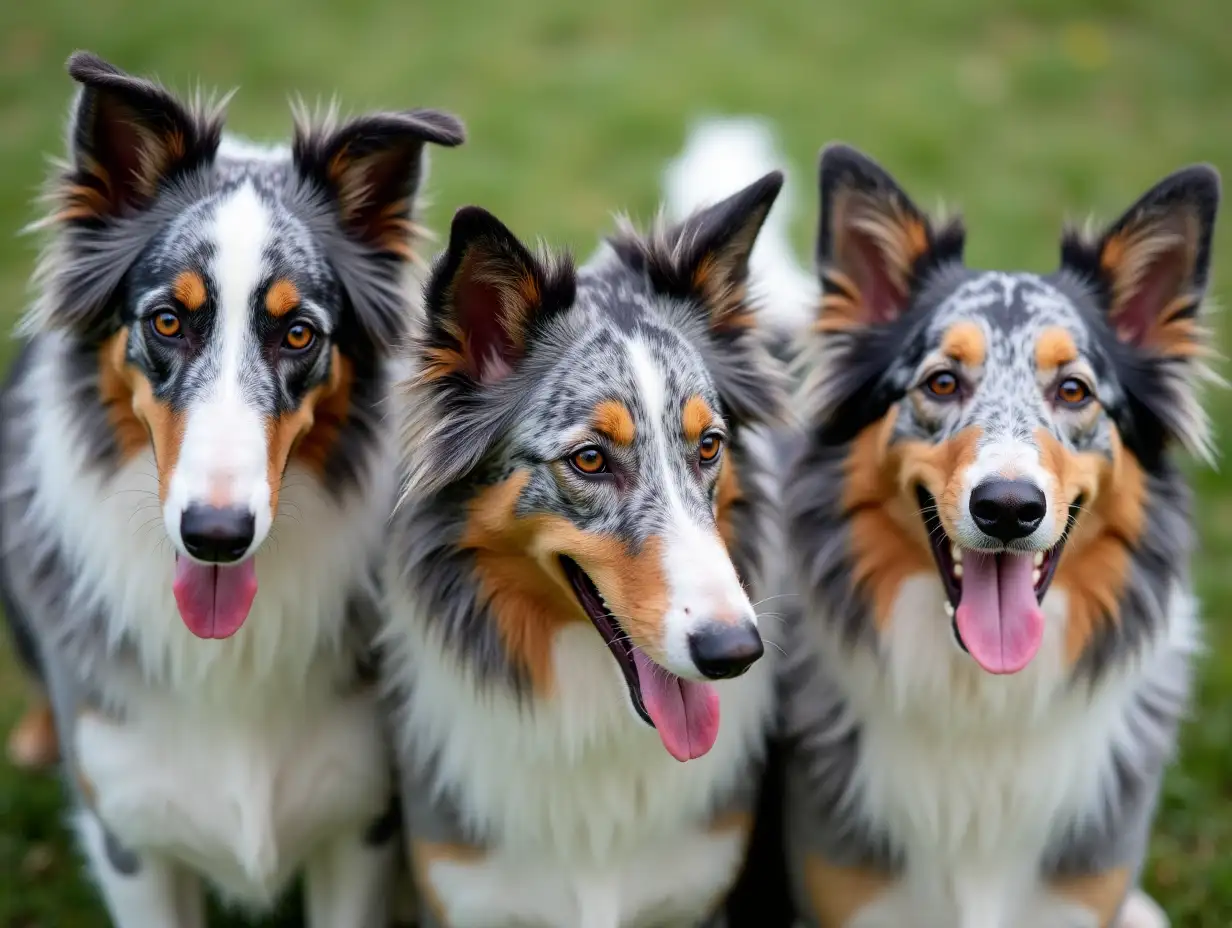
<point>1094,566</point>
<point>888,536</point>
<point>137,416</point>
<point>529,595</point>
<point>836,895</point>
<point>1100,893</point>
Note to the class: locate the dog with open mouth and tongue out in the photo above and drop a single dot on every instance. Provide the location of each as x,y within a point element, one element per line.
<point>194,495</point>
<point>990,534</point>
<point>583,683</point>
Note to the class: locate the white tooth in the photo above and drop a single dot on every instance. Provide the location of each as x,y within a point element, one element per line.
<point>958,568</point>
<point>1035,576</point>
<point>956,553</point>
<point>1039,558</point>
<point>949,610</point>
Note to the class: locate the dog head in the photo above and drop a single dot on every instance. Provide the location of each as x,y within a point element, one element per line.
<point>579,425</point>
<point>238,300</point>
<point>1004,429</point>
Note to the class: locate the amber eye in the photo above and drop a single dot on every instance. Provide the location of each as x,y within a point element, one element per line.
<point>1073,392</point>
<point>298,337</point>
<point>942,384</point>
<point>709,447</point>
<point>166,324</point>
<point>589,461</point>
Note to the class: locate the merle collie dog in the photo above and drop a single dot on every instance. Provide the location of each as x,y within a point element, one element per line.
<point>195,489</point>
<point>586,514</point>
<point>992,538</point>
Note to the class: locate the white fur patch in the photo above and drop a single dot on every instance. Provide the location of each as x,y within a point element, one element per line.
<point>224,456</point>
<point>589,820</point>
<point>976,774</point>
<point>702,583</point>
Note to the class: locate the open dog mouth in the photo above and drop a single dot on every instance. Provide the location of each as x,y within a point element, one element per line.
<point>993,598</point>
<point>684,712</point>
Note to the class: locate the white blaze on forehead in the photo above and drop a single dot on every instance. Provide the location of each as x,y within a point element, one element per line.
<point>702,583</point>
<point>224,458</point>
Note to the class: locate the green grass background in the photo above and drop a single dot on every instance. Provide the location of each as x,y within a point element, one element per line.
<point>1020,113</point>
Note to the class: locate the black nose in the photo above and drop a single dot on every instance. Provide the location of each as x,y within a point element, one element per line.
<point>721,651</point>
<point>218,536</point>
<point>1008,509</point>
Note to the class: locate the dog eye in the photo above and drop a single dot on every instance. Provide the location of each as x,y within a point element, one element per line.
<point>942,384</point>
<point>1073,392</point>
<point>589,461</point>
<point>166,324</point>
<point>709,447</point>
<point>298,337</point>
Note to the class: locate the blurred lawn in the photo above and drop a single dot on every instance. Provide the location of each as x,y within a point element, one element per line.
<point>1019,117</point>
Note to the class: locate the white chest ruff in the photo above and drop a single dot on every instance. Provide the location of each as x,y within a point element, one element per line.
<point>242,798</point>
<point>233,756</point>
<point>978,776</point>
<point>587,819</point>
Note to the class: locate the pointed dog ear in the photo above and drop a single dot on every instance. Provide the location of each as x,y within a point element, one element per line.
<point>706,255</point>
<point>484,298</point>
<point>873,244</point>
<point>703,260</point>
<point>372,168</point>
<point>362,180</point>
<point>1150,267</point>
<point>127,138</point>
<point>1148,271</point>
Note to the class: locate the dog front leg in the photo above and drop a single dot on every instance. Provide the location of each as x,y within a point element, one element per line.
<point>348,883</point>
<point>141,890</point>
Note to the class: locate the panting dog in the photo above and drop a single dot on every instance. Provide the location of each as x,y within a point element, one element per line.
<point>195,490</point>
<point>992,539</point>
<point>584,521</point>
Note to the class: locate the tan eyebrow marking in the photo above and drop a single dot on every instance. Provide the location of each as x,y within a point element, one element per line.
<point>281,298</point>
<point>189,289</point>
<point>613,419</point>
<point>696,417</point>
<point>964,343</point>
<point>1054,347</point>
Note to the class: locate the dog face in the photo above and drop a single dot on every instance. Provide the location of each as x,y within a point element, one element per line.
<point>581,421</point>
<point>240,300</point>
<point>1004,429</point>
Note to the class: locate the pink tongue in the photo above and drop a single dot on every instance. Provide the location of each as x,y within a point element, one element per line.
<point>998,616</point>
<point>214,601</point>
<point>686,714</point>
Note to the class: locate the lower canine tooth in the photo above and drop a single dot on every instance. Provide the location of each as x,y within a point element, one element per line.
<point>949,610</point>
<point>958,568</point>
<point>1039,558</point>
<point>1035,576</point>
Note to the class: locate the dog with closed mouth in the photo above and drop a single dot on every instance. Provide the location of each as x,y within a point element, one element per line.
<point>569,575</point>
<point>991,537</point>
<point>195,491</point>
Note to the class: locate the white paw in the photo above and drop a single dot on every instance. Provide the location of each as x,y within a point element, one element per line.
<point>1141,911</point>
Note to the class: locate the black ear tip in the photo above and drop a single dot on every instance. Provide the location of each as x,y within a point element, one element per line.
<point>1204,179</point>
<point>87,67</point>
<point>441,128</point>
<point>770,185</point>
<point>839,156</point>
<point>470,222</point>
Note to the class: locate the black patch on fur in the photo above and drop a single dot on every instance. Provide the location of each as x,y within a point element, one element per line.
<point>123,861</point>
<point>386,826</point>
<point>761,896</point>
